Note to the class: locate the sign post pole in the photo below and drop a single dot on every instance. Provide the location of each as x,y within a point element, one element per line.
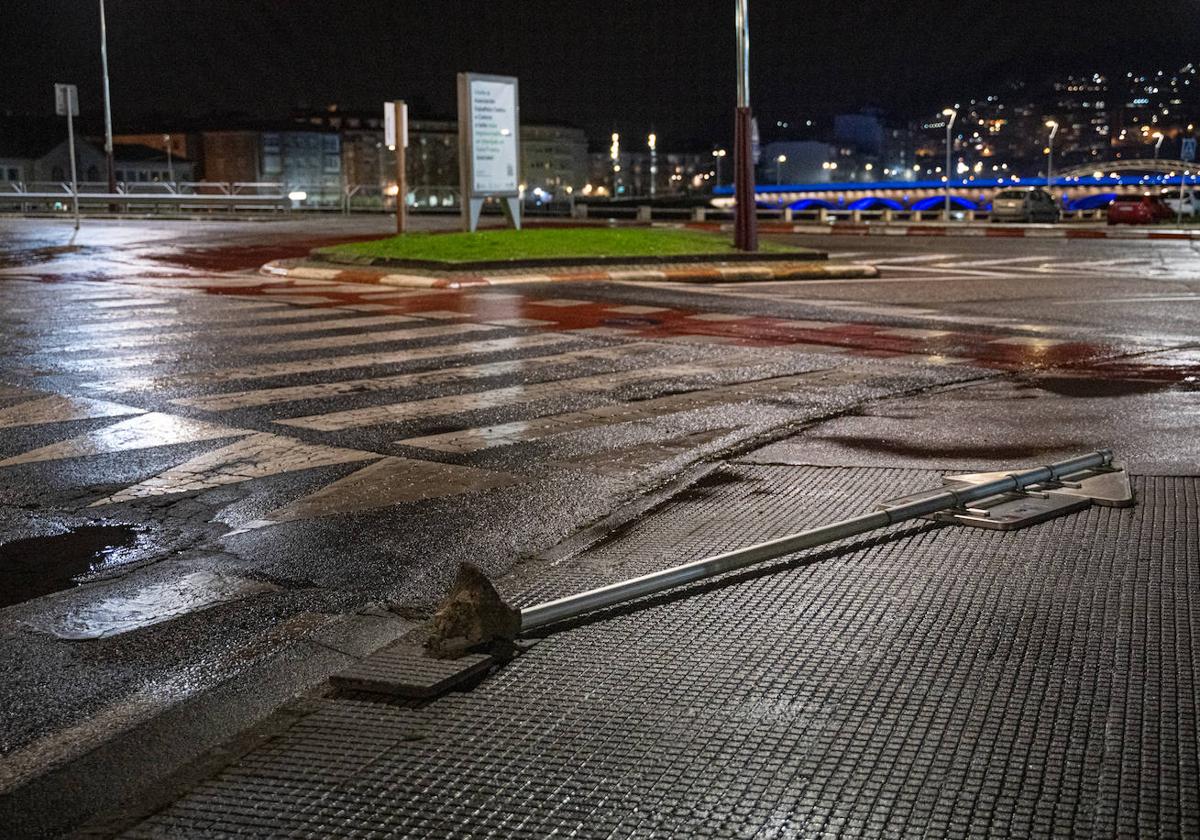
<point>489,146</point>
<point>66,101</point>
<point>395,131</point>
<point>1187,154</point>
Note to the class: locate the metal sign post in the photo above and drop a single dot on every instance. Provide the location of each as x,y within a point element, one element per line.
<point>489,145</point>
<point>1187,154</point>
<point>745,230</point>
<point>474,613</point>
<point>395,135</point>
<point>66,103</point>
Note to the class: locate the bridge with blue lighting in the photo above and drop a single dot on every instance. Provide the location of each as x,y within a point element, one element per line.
<point>1078,189</point>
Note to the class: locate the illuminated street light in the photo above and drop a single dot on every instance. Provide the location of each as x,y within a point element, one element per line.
<point>779,162</point>
<point>614,152</point>
<point>1158,136</point>
<point>652,140</point>
<point>170,167</point>
<point>952,113</point>
<point>719,154</point>
<point>1053,126</point>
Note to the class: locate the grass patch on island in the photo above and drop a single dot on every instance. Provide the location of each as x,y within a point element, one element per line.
<point>548,244</point>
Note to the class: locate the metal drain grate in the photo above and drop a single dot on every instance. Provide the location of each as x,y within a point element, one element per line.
<point>945,682</point>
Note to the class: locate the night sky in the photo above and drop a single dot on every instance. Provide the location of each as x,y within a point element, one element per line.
<point>599,65</point>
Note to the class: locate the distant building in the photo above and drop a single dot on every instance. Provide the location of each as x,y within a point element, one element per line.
<point>805,162</point>
<point>33,153</point>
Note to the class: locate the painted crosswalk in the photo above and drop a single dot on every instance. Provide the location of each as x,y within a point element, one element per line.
<point>374,398</point>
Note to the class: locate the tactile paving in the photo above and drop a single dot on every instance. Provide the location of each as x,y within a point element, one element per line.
<point>928,681</point>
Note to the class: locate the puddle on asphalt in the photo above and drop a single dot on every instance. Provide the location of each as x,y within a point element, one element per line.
<point>1086,388</point>
<point>37,566</point>
<point>146,605</point>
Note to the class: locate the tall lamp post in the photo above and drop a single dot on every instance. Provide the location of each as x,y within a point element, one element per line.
<point>719,154</point>
<point>614,152</point>
<point>108,134</point>
<point>745,230</point>
<point>779,162</point>
<point>653,140</point>
<point>1053,126</point>
<point>170,166</point>
<point>952,115</point>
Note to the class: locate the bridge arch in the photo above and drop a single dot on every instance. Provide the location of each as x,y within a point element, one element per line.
<point>874,202</point>
<point>936,202</point>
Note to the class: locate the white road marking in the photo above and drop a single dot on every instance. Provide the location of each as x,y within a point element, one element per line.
<point>124,303</point>
<point>395,357</point>
<point>521,322</point>
<point>257,456</point>
<point>57,409</point>
<point>391,481</point>
<point>916,258</point>
<point>143,432</point>
<point>563,302</point>
<point>505,434</point>
<point>637,310</point>
<point>914,333</point>
<point>717,316</point>
<point>359,339</point>
<point>1032,341</point>
<point>1002,261</point>
<point>376,415</point>
<point>293,326</point>
<point>466,373</point>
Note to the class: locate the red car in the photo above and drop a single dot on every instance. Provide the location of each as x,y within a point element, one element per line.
<point>1138,210</point>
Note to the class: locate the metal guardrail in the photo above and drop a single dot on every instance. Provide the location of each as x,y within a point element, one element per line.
<point>28,196</point>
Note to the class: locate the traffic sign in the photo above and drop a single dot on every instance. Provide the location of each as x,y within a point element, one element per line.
<point>389,124</point>
<point>1187,149</point>
<point>66,100</point>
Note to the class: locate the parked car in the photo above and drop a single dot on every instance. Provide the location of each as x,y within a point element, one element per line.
<point>1024,205</point>
<point>1138,210</point>
<point>1190,204</point>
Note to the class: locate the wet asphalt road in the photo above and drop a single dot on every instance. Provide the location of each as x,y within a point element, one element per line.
<point>273,455</point>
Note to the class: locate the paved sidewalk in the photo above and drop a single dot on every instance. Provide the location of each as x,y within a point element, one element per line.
<point>928,681</point>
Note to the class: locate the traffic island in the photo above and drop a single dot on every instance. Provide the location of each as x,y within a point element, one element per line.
<point>571,254</point>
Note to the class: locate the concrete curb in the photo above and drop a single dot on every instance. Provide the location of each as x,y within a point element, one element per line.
<point>962,229</point>
<point>724,274</point>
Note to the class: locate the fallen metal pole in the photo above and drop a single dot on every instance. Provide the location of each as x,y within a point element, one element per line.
<point>950,498</point>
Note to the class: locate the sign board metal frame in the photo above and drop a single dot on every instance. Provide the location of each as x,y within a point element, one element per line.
<point>473,198</point>
<point>66,104</point>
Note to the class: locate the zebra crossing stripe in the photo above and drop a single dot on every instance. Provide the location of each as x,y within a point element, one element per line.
<point>506,434</point>
<point>524,394</point>
<point>359,339</point>
<point>324,390</point>
<point>342,362</point>
<point>257,456</point>
<point>385,483</point>
<point>143,432</point>
<point>58,408</point>
<point>243,331</point>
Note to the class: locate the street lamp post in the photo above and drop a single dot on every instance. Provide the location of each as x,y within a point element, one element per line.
<point>745,236</point>
<point>779,162</point>
<point>170,166</point>
<point>614,152</point>
<point>952,114</point>
<point>108,133</point>
<point>1053,126</point>
<point>653,162</point>
<point>719,154</point>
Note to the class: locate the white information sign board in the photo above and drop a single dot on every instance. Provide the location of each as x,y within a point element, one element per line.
<point>489,128</point>
<point>389,124</point>
<point>494,133</point>
<point>66,100</point>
